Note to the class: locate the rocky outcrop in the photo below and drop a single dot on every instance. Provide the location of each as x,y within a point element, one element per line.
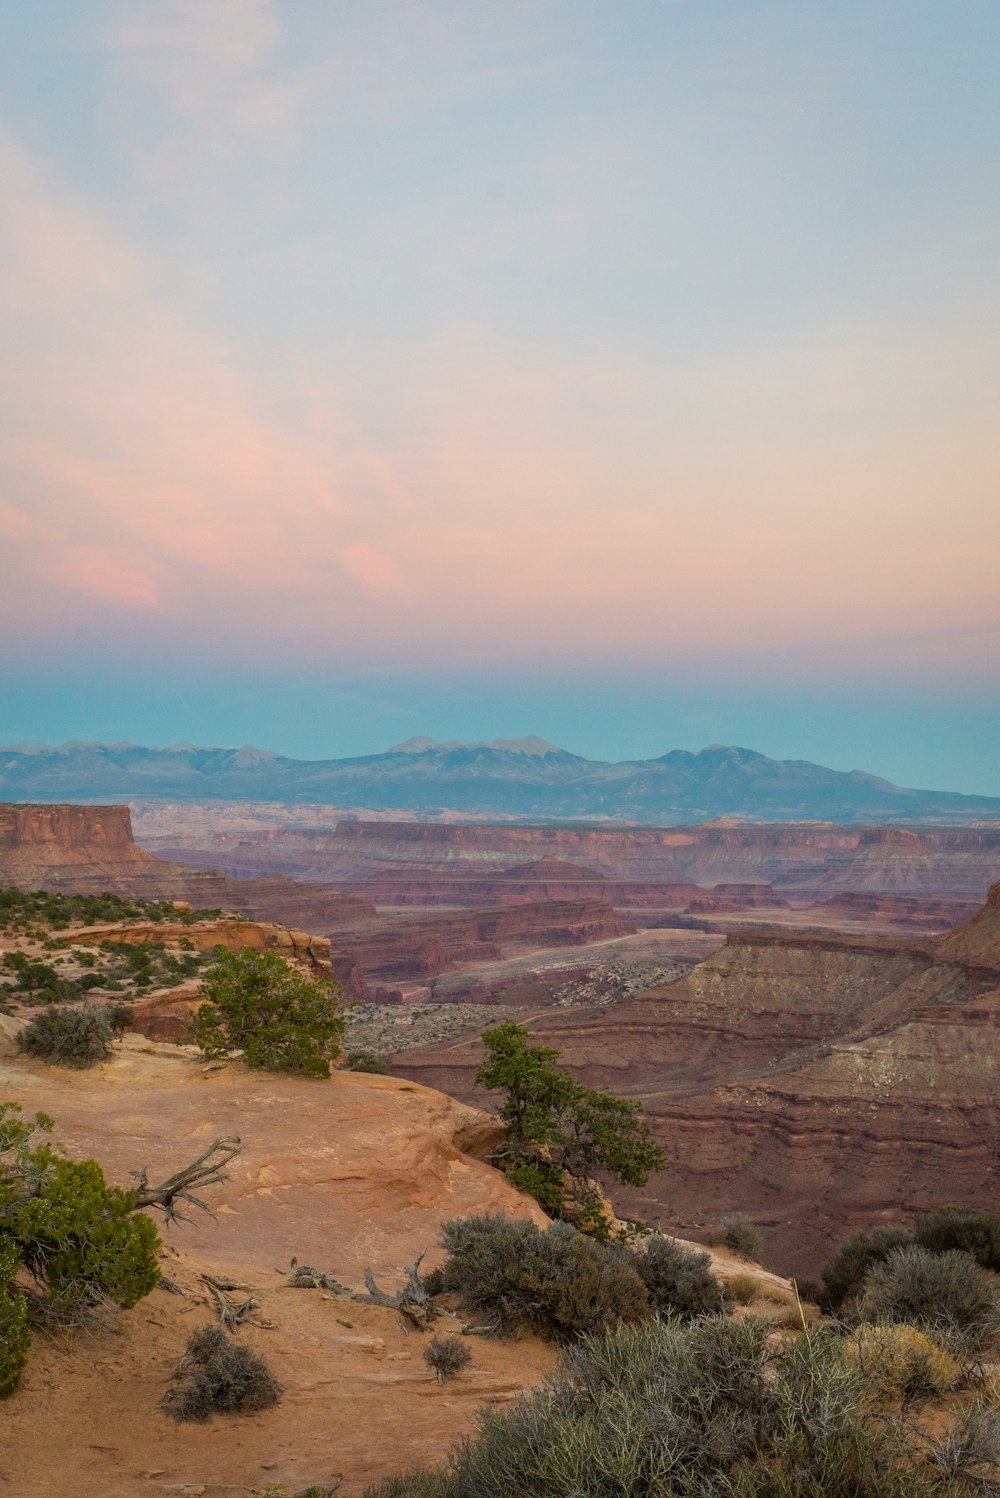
<point>37,842</point>
<point>979,939</point>
<point>733,897</point>
<point>918,912</point>
<point>311,953</point>
<point>341,1174</point>
<point>66,828</point>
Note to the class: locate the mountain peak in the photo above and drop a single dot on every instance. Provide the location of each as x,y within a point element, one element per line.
<point>420,744</point>
<point>532,744</point>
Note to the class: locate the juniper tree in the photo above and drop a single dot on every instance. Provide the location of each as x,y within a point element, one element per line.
<point>281,1021</point>
<point>557,1132</point>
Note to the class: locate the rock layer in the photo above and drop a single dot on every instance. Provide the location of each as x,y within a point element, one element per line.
<point>812,859</point>
<point>814,1083</point>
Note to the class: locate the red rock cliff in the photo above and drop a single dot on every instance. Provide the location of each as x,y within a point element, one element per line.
<point>48,832</point>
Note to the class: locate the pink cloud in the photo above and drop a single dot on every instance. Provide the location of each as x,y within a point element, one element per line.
<point>525,509</point>
<point>110,576</point>
<point>373,569</point>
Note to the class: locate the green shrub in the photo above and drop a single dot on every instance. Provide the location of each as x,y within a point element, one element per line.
<point>447,1356</point>
<point>220,1378</point>
<point>843,1275</point>
<point>68,1037</point>
<point>559,1283</point>
<point>80,1240</point>
<point>20,909</point>
<point>280,1020</point>
<point>973,1231</point>
<point>80,1237</point>
<point>39,982</point>
<point>15,1335</point>
<point>679,1280</point>
<point>709,1410</point>
<point>119,1017</point>
<point>369,1061</point>
<point>948,1294</point>
<point>739,1235</point>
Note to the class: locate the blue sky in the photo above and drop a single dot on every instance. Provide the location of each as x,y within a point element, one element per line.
<point>625,375</point>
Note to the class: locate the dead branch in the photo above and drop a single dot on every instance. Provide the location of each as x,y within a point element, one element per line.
<point>305,1277</point>
<point>413,1301</point>
<point>208,1170</point>
<point>223,1282</point>
<point>171,1286</point>
<point>235,1313</point>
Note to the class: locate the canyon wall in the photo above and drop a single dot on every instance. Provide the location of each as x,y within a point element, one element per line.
<point>407,948</point>
<point>90,849</point>
<point>52,837</point>
<point>814,1083</point>
<point>800,861</point>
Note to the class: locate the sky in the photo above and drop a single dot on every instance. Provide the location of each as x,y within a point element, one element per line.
<point>623,374</point>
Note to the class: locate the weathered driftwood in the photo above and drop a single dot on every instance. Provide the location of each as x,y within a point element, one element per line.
<point>171,1286</point>
<point>208,1170</point>
<point>413,1301</point>
<point>234,1313</point>
<point>305,1277</point>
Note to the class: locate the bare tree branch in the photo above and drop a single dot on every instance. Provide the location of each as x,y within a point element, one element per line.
<point>208,1170</point>
<point>234,1313</point>
<point>413,1302</point>
<point>305,1277</point>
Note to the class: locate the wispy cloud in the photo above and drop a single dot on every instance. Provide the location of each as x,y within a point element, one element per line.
<point>207,63</point>
<point>520,508</point>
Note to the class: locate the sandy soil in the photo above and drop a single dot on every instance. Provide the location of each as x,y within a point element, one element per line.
<point>359,1170</point>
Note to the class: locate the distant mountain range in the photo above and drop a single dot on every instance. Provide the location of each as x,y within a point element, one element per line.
<point>525,778</point>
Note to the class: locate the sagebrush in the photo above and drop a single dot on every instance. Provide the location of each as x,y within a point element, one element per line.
<point>844,1273</point>
<point>715,1409</point>
<point>679,1280</point>
<point>68,1037</point>
<point>219,1377</point>
<point>949,1294</point>
<point>367,1061</point>
<point>556,1282</point>
<point>448,1356</point>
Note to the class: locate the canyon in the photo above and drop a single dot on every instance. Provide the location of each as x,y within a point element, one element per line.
<point>807,1013</point>
<point>658,865</point>
<point>352,1174</point>
<point>815,1083</point>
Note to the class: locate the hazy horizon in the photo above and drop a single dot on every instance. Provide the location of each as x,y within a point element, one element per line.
<point>624,376</point>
